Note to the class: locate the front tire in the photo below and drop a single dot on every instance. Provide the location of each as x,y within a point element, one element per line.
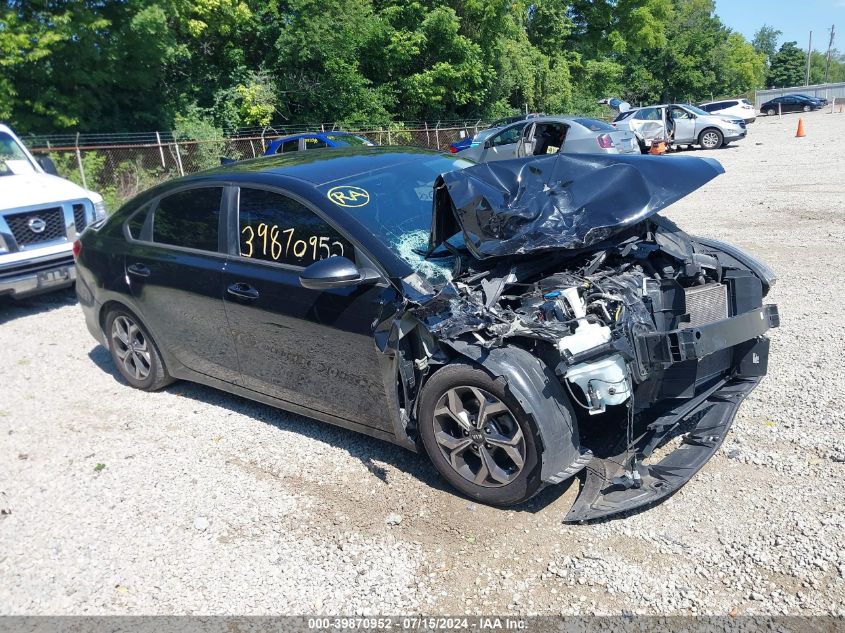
<point>478,436</point>
<point>807,108</point>
<point>134,352</point>
<point>771,112</point>
<point>711,138</point>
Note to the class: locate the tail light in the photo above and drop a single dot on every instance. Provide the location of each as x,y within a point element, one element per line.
<point>77,249</point>
<point>453,149</point>
<point>604,141</point>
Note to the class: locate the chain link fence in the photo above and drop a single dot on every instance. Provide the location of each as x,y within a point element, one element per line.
<point>121,170</point>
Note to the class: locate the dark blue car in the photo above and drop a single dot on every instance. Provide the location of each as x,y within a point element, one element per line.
<point>315,140</point>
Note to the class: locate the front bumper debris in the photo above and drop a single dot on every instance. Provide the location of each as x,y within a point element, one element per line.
<point>608,487</point>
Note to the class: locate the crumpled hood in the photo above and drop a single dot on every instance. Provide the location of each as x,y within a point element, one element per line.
<point>522,206</point>
<point>30,189</point>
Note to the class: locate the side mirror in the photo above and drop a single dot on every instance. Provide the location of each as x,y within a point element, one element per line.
<point>488,143</point>
<point>48,165</point>
<point>334,272</point>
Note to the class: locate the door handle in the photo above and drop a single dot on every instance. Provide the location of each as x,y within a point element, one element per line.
<point>243,291</point>
<point>139,270</point>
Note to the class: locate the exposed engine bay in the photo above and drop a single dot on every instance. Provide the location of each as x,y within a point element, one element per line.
<point>652,334</point>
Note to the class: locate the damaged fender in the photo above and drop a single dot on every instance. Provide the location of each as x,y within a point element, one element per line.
<point>541,395</point>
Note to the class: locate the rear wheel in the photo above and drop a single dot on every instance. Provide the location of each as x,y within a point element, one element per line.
<point>478,436</point>
<point>711,138</point>
<point>134,352</point>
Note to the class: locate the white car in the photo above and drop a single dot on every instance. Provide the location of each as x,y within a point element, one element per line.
<point>732,107</point>
<point>41,216</point>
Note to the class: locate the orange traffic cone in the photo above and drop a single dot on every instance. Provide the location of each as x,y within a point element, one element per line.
<point>800,133</point>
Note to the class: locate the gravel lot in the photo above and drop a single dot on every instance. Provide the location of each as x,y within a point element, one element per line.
<point>193,501</point>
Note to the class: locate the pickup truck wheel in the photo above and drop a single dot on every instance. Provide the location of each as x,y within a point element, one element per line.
<point>478,436</point>
<point>134,352</point>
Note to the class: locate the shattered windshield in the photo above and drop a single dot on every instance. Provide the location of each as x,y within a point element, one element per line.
<point>13,160</point>
<point>398,208</point>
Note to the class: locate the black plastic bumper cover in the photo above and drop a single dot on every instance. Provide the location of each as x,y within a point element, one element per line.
<point>600,497</point>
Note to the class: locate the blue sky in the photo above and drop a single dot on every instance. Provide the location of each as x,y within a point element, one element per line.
<point>795,19</point>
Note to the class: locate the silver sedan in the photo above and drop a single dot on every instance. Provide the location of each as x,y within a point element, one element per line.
<point>550,135</point>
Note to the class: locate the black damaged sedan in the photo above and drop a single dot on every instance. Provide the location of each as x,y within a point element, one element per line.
<point>519,322</point>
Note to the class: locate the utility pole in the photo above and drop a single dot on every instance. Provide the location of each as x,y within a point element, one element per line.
<point>829,51</point>
<point>809,55</point>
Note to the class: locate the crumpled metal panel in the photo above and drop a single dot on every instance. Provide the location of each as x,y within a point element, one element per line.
<point>523,206</point>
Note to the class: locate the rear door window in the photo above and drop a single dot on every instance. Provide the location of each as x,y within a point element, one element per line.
<point>276,228</point>
<point>189,219</point>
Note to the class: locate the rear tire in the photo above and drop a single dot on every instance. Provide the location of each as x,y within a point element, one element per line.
<point>134,352</point>
<point>478,436</point>
<point>711,138</point>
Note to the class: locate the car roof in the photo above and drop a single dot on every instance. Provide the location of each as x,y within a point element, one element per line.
<point>329,164</point>
<point>316,133</point>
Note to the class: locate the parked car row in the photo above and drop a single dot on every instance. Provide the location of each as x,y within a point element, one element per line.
<point>792,103</point>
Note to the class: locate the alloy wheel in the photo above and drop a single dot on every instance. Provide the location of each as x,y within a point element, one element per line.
<point>710,140</point>
<point>479,436</point>
<point>131,347</point>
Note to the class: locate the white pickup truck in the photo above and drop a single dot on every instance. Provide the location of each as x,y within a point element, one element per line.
<point>40,217</point>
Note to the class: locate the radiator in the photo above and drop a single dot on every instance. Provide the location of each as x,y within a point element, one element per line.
<point>706,304</point>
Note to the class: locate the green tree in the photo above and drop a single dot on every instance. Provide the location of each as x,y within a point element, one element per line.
<point>766,42</point>
<point>744,67</point>
<point>788,67</point>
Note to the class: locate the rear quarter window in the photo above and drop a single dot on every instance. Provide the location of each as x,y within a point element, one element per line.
<point>595,125</point>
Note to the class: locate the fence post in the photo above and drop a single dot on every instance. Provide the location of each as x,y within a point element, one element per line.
<point>427,137</point>
<point>160,150</point>
<point>389,140</point>
<point>178,156</point>
<point>253,148</point>
<point>79,162</point>
<point>476,126</point>
<point>437,135</point>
